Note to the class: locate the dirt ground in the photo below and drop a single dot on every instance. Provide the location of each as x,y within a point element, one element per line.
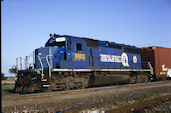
<point>78,99</point>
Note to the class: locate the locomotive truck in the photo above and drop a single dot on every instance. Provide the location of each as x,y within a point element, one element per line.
<point>68,62</point>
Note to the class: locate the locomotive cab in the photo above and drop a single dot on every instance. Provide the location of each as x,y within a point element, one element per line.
<point>52,54</point>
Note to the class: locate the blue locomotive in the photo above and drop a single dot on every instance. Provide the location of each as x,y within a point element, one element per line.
<point>68,62</point>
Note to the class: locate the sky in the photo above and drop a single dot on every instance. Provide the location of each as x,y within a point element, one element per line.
<point>26,24</point>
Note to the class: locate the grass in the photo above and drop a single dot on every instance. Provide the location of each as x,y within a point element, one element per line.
<point>7,85</point>
<point>8,81</point>
<point>144,97</point>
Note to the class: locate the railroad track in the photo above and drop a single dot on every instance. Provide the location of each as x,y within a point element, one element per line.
<point>77,91</point>
<point>137,107</point>
<point>81,98</point>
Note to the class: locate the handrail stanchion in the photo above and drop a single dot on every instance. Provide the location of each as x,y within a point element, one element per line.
<point>48,64</point>
<point>41,65</point>
<point>151,68</point>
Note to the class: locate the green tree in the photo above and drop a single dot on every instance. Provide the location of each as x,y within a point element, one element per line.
<point>12,70</point>
<point>2,76</point>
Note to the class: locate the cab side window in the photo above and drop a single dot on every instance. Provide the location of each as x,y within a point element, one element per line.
<point>79,47</point>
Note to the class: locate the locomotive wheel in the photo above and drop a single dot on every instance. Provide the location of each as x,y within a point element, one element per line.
<point>52,86</point>
<point>33,87</point>
<point>143,78</point>
<point>140,79</point>
<point>18,88</point>
<point>19,84</point>
<point>133,79</point>
<point>147,78</point>
<point>82,86</point>
<point>25,89</point>
<point>69,84</point>
<point>66,87</point>
<point>29,87</point>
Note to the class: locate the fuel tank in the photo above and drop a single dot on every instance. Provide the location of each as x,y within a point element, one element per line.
<point>109,78</point>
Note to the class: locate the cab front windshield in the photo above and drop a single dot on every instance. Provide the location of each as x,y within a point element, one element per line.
<point>59,44</point>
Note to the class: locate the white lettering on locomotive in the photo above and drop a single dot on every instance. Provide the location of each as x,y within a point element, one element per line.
<point>60,39</point>
<point>114,58</point>
<point>134,59</point>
